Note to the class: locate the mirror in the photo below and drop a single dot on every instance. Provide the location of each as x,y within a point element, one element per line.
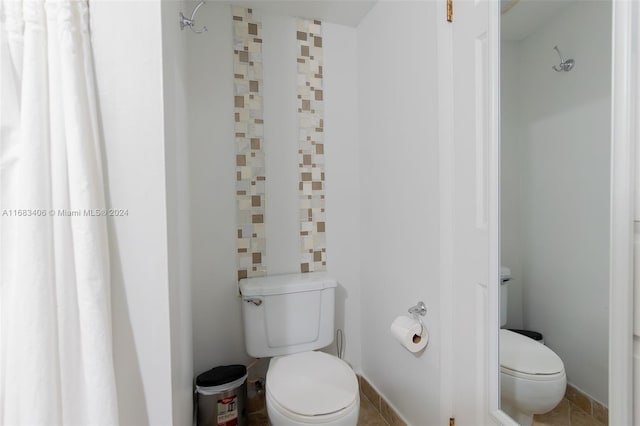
<point>555,192</point>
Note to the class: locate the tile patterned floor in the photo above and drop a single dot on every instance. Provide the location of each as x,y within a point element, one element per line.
<point>566,414</point>
<point>369,416</point>
<point>258,419</point>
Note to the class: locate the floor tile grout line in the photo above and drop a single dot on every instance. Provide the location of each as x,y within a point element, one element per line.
<point>362,395</point>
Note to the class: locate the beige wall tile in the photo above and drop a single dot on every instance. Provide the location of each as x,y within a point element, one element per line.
<point>370,393</point>
<point>248,116</point>
<point>578,398</point>
<point>389,414</point>
<point>369,415</point>
<point>311,152</point>
<point>600,412</point>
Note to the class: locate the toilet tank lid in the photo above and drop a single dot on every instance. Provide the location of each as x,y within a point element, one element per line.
<point>286,283</point>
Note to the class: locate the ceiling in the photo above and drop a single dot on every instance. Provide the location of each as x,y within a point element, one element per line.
<point>522,18</point>
<point>344,12</point>
<point>526,16</point>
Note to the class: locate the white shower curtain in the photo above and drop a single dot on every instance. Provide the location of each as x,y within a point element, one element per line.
<point>56,362</point>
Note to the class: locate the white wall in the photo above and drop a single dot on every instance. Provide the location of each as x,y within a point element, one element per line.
<point>636,305</point>
<point>342,171</point>
<point>565,170</point>
<point>511,178</point>
<point>280,73</point>
<point>635,105</point>
<point>397,104</point>
<point>143,119</point>
<point>129,80</point>
<point>217,322</point>
<point>341,163</point>
<point>176,134</point>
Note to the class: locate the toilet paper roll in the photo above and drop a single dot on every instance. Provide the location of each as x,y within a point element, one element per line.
<point>407,331</point>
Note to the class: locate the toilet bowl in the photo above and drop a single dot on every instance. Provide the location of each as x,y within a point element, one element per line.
<point>311,388</point>
<point>532,377</point>
<point>288,317</point>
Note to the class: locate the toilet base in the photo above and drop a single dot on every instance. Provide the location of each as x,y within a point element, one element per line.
<point>519,417</point>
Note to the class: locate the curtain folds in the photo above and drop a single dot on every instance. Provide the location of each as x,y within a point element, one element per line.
<point>56,360</point>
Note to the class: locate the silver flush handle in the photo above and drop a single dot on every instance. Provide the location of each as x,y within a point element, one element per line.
<point>256,302</point>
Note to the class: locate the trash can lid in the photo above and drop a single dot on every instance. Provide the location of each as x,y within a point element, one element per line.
<point>221,375</point>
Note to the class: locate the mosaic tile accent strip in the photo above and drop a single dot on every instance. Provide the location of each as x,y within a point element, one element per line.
<point>250,165</point>
<point>311,146</point>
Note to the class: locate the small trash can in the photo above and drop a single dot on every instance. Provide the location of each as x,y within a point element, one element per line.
<point>222,396</point>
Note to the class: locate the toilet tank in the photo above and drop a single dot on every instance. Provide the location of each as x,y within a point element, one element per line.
<point>505,277</point>
<point>286,314</point>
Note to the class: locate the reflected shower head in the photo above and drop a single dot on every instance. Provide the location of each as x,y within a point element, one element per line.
<point>565,65</point>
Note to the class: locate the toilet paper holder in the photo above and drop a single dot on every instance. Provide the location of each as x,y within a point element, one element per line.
<point>417,311</point>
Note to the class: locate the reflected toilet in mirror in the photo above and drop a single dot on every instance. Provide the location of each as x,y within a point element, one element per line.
<point>532,376</point>
<point>555,175</point>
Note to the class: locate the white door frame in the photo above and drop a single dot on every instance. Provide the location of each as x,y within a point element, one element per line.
<point>623,160</point>
<point>624,136</point>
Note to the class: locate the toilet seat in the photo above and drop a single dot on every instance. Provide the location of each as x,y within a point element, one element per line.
<point>346,416</point>
<point>312,385</point>
<point>525,358</point>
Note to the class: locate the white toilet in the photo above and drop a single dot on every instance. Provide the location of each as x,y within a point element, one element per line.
<point>288,317</point>
<point>532,376</point>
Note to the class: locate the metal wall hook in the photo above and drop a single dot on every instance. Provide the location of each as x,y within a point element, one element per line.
<point>565,65</point>
<point>190,22</point>
<point>418,311</point>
